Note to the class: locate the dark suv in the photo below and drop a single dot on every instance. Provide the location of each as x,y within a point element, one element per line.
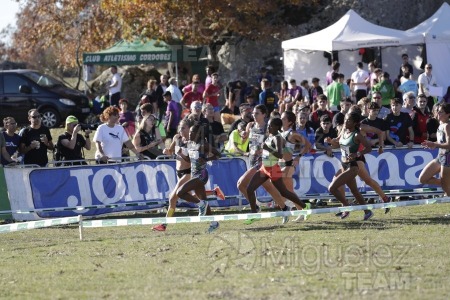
<point>22,90</point>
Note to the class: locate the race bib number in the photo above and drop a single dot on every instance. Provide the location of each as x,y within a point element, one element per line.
<point>345,151</point>
<point>257,138</point>
<point>193,154</point>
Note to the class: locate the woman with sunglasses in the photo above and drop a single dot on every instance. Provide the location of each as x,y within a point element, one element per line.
<point>270,170</point>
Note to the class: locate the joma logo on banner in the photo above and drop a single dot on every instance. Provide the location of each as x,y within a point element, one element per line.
<point>394,169</point>
<point>130,183</point>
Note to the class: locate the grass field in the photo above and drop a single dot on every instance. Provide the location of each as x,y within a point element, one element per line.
<point>401,255</point>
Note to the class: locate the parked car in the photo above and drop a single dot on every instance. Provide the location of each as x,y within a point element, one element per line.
<point>22,90</point>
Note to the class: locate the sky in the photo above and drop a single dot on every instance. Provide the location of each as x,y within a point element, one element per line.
<point>8,11</point>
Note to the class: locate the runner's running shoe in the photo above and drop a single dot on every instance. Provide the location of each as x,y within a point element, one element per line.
<point>387,209</point>
<point>299,219</point>
<point>160,227</point>
<point>368,215</point>
<point>345,214</point>
<point>307,207</point>
<point>285,219</point>
<point>219,193</point>
<point>251,221</point>
<point>213,226</point>
<point>202,207</point>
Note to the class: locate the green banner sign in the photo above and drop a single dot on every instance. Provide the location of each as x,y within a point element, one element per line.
<point>125,58</point>
<point>4,199</point>
<point>132,53</point>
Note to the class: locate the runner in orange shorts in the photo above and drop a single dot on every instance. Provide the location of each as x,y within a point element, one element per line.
<point>270,169</point>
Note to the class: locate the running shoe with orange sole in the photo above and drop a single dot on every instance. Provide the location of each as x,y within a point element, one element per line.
<point>219,193</point>
<point>160,227</point>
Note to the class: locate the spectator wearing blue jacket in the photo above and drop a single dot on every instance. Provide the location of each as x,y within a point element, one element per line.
<point>408,85</point>
<point>267,97</point>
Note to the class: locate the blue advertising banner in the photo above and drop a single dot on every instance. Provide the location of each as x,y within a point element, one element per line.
<point>118,184</point>
<point>154,180</point>
<point>393,169</point>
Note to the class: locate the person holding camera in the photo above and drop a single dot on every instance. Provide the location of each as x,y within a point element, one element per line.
<point>70,144</point>
<point>36,140</point>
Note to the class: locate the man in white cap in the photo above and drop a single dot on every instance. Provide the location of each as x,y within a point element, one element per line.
<point>71,142</point>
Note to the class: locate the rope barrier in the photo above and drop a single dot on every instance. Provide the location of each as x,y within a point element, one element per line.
<point>38,224</point>
<point>196,219</point>
<point>75,208</point>
<point>264,215</point>
<point>368,194</point>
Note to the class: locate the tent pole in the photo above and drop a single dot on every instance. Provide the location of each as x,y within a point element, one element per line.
<point>85,77</point>
<point>380,63</point>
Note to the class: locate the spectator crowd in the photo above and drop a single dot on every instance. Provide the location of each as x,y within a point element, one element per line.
<point>402,108</point>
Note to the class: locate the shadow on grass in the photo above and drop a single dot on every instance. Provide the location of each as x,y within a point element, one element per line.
<point>375,224</point>
<point>441,220</point>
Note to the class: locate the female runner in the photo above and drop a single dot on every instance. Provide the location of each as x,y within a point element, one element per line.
<point>199,151</point>
<point>288,162</point>
<point>349,141</point>
<point>440,165</point>
<point>363,173</point>
<point>270,169</point>
<point>257,133</point>
<point>179,143</point>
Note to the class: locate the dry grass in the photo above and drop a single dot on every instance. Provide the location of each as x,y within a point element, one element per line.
<point>402,255</point>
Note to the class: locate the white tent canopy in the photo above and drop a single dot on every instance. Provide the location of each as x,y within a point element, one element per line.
<point>436,31</point>
<point>351,32</point>
<point>303,56</point>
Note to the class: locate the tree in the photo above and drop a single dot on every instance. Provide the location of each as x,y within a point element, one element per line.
<point>63,28</point>
<point>70,27</point>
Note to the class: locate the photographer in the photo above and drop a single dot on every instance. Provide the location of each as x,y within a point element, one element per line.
<point>71,143</point>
